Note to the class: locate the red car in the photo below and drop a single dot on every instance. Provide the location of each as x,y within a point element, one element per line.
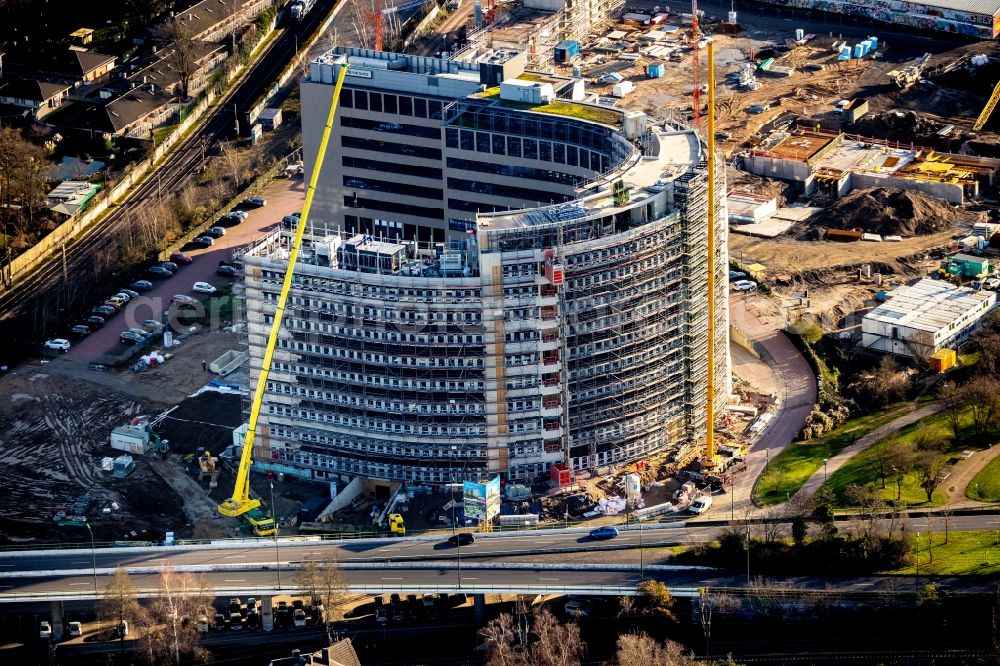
<point>180,258</point>
<point>115,305</point>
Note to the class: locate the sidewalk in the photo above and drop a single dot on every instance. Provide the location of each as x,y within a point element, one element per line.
<point>795,386</point>
<point>814,482</point>
<point>963,473</point>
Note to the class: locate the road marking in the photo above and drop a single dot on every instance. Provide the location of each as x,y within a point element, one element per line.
<point>78,562</point>
<point>543,578</point>
<point>234,580</point>
<point>469,578</point>
<point>392,579</point>
<point>72,584</point>
<point>239,557</point>
<point>6,565</point>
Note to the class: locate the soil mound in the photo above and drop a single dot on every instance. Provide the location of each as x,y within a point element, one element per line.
<point>890,212</point>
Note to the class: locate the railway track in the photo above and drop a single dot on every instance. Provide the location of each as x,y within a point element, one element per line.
<point>178,168</point>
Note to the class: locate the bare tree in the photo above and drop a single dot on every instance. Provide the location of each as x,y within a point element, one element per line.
<point>643,650</point>
<point>952,399</point>
<point>499,638</point>
<point>22,183</point>
<point>324,582</point>
<point>626,606</point>
<point>177,34</point>
<point>166,637</point>
<point>119,602</point>
<point>883,454</point>
<point>928,466</point>
<point>549,643</point>
<point>983,395</point>
<point>945,515</point>
<point>885,384</point>
<point>871,509</point>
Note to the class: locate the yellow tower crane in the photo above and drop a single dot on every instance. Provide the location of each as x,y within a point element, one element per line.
<point>987,111</point>
<point>709,460</point>
<point>241,503</point>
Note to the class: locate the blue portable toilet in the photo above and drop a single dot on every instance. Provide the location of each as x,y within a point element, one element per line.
<point>845,53</point>
<point>654,70</point>
<point>859,51</point>
<point>874,41</point>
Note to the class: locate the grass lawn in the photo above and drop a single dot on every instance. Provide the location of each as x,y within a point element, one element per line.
<point>859,470</point>
<point>985,486</point>
<point>966,553</point>
<point>161,133</point>
<point>789,470</point>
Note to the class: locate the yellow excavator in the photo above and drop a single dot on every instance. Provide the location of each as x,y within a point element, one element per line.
<point>242,503</point>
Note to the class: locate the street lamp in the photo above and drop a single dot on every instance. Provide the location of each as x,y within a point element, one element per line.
<point>93,559</point>
<point>825,461</point>
<point>274,518</point>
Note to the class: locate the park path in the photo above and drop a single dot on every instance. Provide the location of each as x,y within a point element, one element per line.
<point>836,462</point>
<point>961,476</point>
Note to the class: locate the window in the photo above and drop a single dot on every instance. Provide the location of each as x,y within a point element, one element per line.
<point>571,156</point>
<point>514,147</point>
<point>530,149</point>
<point>559,153</point>
<point>375,102</point>
<point>545,151</point>
<point>468,140</point>
<point>361,100</point>
<point>434,109</point>
<point>451,137</point>
<point>482,142</point>
<point>498,144</point>
<point>419,107</point>
<point>405,106</point>
<point>347,99</point>
<point>389,102</point>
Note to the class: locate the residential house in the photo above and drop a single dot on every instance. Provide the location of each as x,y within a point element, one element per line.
<point>340,653</point>
<point>213,20</point>
<point>162,72</point>
<point>74,66</point>
<point>41,97</point>
<point>70,196</point>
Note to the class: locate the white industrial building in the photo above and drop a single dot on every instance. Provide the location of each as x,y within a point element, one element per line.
<point>927,316</point>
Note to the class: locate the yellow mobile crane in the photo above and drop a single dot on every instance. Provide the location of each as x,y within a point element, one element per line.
<point>241,503</point>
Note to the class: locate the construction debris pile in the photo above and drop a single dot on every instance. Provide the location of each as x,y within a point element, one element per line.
<point>891,212</point>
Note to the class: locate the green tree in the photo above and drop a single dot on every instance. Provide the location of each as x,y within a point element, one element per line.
<point>655,599</point>
<point>800,527</point>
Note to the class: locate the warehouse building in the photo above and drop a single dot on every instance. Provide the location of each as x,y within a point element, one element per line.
<point>544,303</point>
<point>977,20</point>
<point>928,316</point>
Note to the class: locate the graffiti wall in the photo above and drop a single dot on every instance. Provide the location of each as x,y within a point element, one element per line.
<point>914,14</point>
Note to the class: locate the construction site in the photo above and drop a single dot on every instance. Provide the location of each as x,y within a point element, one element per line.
<point>818,135</point>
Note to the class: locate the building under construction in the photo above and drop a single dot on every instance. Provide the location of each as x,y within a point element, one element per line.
<point>567,325</point>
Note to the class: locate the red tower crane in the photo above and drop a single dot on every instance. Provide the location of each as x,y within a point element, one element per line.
<point>379,13</point>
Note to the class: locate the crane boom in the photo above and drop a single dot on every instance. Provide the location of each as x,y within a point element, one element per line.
<point>695,67</point>
<point>241,503</point>
<point>987,111</point>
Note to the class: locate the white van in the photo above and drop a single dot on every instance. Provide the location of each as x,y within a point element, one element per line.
<point>75,629</point>
<point>701,504</point>
<point>299,617</point>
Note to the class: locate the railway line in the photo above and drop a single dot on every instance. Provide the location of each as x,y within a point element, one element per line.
<point>178,167</point>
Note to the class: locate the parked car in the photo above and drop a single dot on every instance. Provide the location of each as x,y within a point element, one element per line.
<point>120,299</point>
<point>380,615</point>
<point>604,533</point>
<point>180,258</point>
<point>141,285</point>
<point>299,617</point>
<point>202,624</point>
<point>129,292</point>
<point>75,629</point>
<point>130,337</point>
<point>57,344</point>
<point>255,202</point>
<point>114,305</point>
<point>235,621</point>
<point>251,605</point>
<point>170,266</point>
<point>153,327</point>
<point>220,621</point>
<point>736,275</point>
<point>123,629</point>
<point>992,283</point>
<point>462,539</point>
<point>235,605</point>
<point>159,272</point>
<point>226,271</point>
<point>242,214</point>
<point>745,285</point>
<point>44,629</point>
<point>80,330</point>
<point>290,221</point>
<point>204,241</point>
<point>233,217</point>
<point>181,299</point>
<point>204,288</point>
<point>216,232</point>
<point>104,311</point>
<point>93,321</point>
<point>141,331</point>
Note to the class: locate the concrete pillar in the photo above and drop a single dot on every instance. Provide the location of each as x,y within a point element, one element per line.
<point>267,613</point>
<point>479,608</point>
<point>58,610</point>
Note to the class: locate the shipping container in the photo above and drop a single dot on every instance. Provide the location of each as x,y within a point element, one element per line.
<point>270,119</point>
<point>846,235</point>
<point>567,50</point>
<point>942,360</point>
<point>622,89</point>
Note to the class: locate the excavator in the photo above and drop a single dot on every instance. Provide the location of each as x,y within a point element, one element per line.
<point>242,503</point>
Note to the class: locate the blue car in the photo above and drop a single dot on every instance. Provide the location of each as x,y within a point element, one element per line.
<point>604,533</point>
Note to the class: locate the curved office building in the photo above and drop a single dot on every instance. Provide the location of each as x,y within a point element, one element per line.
<point>497,277</point>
